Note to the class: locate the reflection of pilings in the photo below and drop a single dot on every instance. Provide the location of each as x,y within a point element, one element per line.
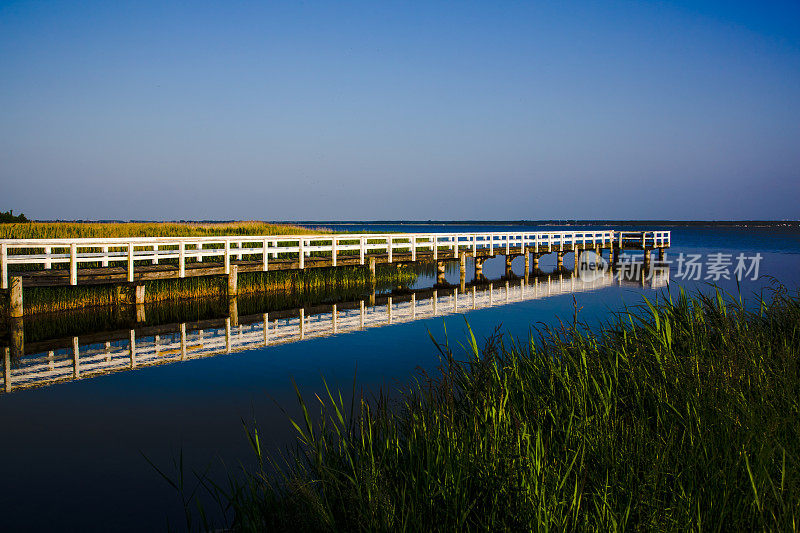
<point>17,334</point>
<point>7,368</point>
<point>183,341</point>
<point>441,279</point>
<point>76,358</point>
<point>372,298</point>
<point>302,324</point>
<point>228,335</point>
<point>479,268</point>
<point>133,348</point>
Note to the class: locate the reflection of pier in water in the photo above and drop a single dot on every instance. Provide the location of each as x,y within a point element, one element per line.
<point>48,362</point>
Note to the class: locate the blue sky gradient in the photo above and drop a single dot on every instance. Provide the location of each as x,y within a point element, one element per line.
<point>383,110</point>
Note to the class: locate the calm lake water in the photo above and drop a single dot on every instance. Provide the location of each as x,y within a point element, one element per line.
<point>73,450</point>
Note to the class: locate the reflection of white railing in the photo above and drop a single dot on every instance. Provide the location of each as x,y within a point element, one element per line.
<point>81,361</point>
<point>132,252</point>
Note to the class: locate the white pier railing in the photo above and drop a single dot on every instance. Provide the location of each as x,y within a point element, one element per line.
<point>133,252</point>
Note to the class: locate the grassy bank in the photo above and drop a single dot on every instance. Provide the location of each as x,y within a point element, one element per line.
<point>58,230</point>
<point>61,298</point>
<point>681,415</point>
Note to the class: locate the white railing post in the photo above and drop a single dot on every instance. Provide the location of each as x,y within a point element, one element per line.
<point>362,245</point>
<point>265,256</point>
<point>389,245</point>
<point>301,253</point>
<point>73,264</point>
<point>474,244</point>
<point>181,259</point>
<point>508,243</point>
<point>48,263</point>
<point>155,254</point>
<point>435,240</point>
<point>413,247</point>
<point>333,251</point>
<point>4,265</point>
<point>227,256</point>
<point>130,262</point>
<point>104,260</point>
<point>491,244</point>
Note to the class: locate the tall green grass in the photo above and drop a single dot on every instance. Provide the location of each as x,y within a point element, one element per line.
<point>683,414</point>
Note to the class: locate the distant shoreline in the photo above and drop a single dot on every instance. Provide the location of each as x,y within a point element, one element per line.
<point>676,223</point>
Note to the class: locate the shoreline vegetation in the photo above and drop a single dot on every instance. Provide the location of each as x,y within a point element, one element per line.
<point>675,415</point>
<point>59,230</point>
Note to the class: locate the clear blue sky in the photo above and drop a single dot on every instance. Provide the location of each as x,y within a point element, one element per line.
<point>416,110</point>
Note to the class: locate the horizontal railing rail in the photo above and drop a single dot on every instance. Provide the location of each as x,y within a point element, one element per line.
<point>134,251</point>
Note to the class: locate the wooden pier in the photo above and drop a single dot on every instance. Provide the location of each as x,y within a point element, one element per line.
<point>131,261</point>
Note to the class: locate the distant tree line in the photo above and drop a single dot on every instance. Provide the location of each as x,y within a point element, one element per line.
<point>9,216</point>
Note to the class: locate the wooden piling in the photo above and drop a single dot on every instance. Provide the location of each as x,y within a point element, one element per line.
<point>139,294</point>
<point>17,337</point>
<point>233,281</point>
<point>372,269</point>
<point>559,260</point>
<point>233,311</point>
<point>462,269</point>
<point>15,297</point>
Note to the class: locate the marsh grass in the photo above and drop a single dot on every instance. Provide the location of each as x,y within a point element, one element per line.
<point>59,230</point>
<point>676,415</point>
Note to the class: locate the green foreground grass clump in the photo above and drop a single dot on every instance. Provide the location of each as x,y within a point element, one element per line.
<point>679,415</point>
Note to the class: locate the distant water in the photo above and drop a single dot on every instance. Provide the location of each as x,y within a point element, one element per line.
<point>73,451</point>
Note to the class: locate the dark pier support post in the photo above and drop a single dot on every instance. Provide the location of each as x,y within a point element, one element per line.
<point>17,334</point>
<point>535,261</point>
<point>372,269</point>
<point>440,270</point>
<point>462,270</point>
<point>15,297</point>
<point>576,258</point>
<point>233,310</point>
<point>479,268</point>
<point>661,254</point>
<point>527,264</point>
<point>646,265</point>
<point>509,260</point>
<point>233,281</point>
<point>559,260</point>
